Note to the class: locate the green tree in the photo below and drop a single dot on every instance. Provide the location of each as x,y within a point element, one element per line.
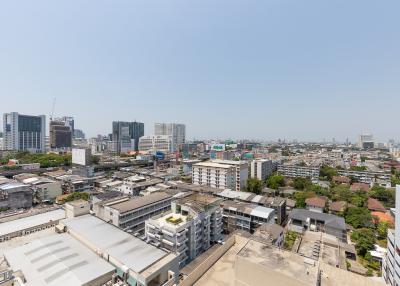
<point>359,198</point>
<point>382,229</point>
<point>301,183</point>
<point>77,196</point>
<point>387,196</point>
<point>254,185</point>
<point>359,218</point>
<point>95,159</point>
<point>318,190</point>
<point>301,197</point>
<point>275,181</point>
<point>341,193</point>
<point>290,239</point>
<point>395,181</point>
<point>358,168</point>
<point>327,172</point>
<point>364,240</point>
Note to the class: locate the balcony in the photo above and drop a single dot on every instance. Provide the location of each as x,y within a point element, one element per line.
<point>167,242</point>
<point>151,235</point>
<point>168,233</point>
<point>183,242</point>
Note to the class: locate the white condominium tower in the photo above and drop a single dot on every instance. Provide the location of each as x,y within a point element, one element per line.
<point>221,174</point>
<point>176,130</point>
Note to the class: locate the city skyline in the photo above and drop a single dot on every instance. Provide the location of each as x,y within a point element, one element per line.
<point>289,70</point>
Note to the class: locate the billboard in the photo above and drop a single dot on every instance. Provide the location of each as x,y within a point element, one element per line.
<point>218,147</point>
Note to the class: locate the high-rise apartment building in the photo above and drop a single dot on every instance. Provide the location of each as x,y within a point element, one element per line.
<point>221,174</point>
<point>60,135</point>
<point>262,169</point>
<point>366,141</point>
<point>241,172</point>
<point>24,132</point>
<point>126,135</point>
<point>390,265</point>
<point>176,130</point>
<point>214,175</point>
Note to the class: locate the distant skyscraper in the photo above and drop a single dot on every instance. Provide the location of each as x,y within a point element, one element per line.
<point>78,134</point>
<point>60,135</point>
<point>24,132</point>
<point>366,141</point>
<point>177,131</point>
<point>69,121</point>
<point>126,135</point>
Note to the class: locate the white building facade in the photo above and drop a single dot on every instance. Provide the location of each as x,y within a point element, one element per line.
<point>24,132</point>
<point>176,130</point>
<point>241,172</point>
<point>154,143</point>
<point>190,229</point>
<point>391,264</point>
<point>214,175</point>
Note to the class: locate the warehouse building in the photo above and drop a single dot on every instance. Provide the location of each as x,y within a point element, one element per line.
<point>30,224</point>
<point>136,262</point>
<point>58,260</point>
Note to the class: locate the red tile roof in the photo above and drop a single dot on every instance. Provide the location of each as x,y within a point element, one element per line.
<point>316,202</point>
<point>341,179</point>
<point>338,206</point>
<point>383,217</point>
<point>359,187</point>
<point>375,205</point>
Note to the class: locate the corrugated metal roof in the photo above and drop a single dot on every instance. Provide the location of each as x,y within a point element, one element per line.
<point>57,260</point>
<point>106,238</point>
<point>30,221</point>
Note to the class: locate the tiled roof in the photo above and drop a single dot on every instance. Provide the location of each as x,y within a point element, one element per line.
<point>375,205</point>
<point>316,202</point>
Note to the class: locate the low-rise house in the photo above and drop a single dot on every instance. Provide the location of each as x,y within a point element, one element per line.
<point>15,195</point>
<point>337,207</point>
<point>276,203</point>
<point>245,216</point>
<point>375,206</point>
<point>359,187</point>
<point>44,189</point>
<point>316,204</point>
<point>290,204</point>
<point>301,220</point>
<point>271,232</point>
<point>341,180</point>
<point>132,186</point>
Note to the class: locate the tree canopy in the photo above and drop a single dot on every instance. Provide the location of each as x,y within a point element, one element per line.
<point>359,217</point>
<point>327,172</point>
<point>254,186</point>
<point>364,239</point>
<point>275,181</point>
<point>301,183</point>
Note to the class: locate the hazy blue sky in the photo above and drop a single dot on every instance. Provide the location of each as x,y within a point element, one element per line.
<point>263,69</point>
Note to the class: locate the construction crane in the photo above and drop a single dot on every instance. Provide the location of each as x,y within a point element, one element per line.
<point>52,108</point>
